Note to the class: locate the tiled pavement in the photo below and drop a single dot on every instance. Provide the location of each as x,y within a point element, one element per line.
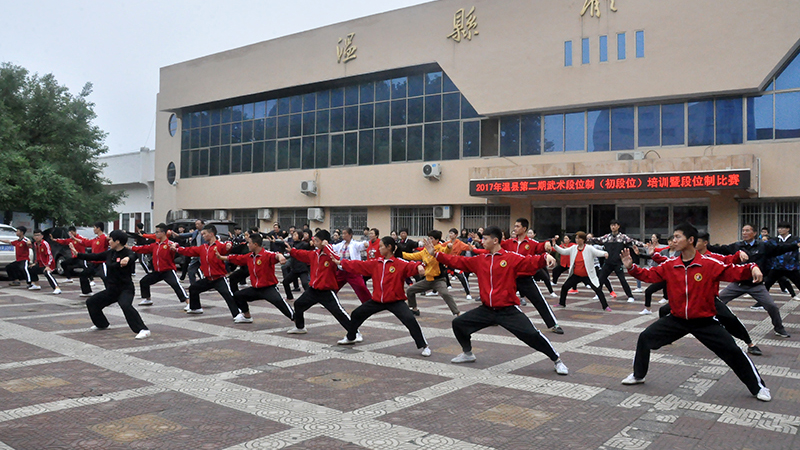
<point>202,382</point>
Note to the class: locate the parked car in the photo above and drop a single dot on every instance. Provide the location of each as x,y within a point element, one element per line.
<point>62,252</point>
<point>7,252</point>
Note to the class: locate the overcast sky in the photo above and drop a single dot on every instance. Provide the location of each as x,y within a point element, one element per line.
<point>119,46</point>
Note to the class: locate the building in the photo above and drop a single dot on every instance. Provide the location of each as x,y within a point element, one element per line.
<point>132,173</point>
<point>570,113</point>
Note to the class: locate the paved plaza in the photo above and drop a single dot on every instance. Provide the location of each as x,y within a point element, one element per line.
<point>203,382</point>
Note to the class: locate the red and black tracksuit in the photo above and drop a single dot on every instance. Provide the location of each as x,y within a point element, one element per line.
<point>525,284</point>
<point>214,272</point>
<point>322,286</point>
<point>261,267</point>
<point>44,260</point>
<point>70,264</point>
<point>99,244</point>
<point>18,270</point>
<point>163,268</point>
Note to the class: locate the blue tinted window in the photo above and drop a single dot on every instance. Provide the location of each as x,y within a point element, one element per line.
<point>195,157</point>
<point>258,130</point>
<point>383,90</point>
<point>196,119</point>
<point>186,141</point>
<point>398,145</point>
<point>309,102</point>
<point>283,127</point>
<point>433,83</point>
<point>554,133</point>
<point>787,115</point>
<point>309,122</point>
<point>296,125</point>
<point>236,133</point>
<point>204,136</point>
<point>382,151</point>
<point>790,76</point>
<point>337,120</point>
<point>247,132</point>
<point>337,97</point>
<point>185,172</point>
<point>451,140</point>
<point>297,105</point>
<point>247,158</point>
<point>351,118</point>
<point>416,108</point>
<point>471,138</point>
<point>414,144</point>
<point>308,153</point>
<point>225,134</point>
<point>205,118</point>
<point>226,114</point>
<point>260,111</point>
<point>258,157</point>
<point>573,131</point>
<point>672,129</point>
<point>214,139</point>
<point>649,126</point>
<point>729,121</point>
<point>272,109</point>
<point>622,128</point>
<point>351,95</point>
<point>216,117</point>
<point>621,46</point>
<point>531,134</point>
<point>186,120</point>
<point>433,142</point>
<point>598,130</point>
<point>283,107</point>
<point>509,136</point>
<point>323,100</point>
<point>204,161</point>
<point>701,123</point>
<point>603,48</point>
<point>213,166</point>
<point>382,114</point>
<point>236,112</point>
<point>295,153</point>
<point>451,106</point>
<point>248,111</point>
<point>416,85</point>
<point>640,44</point>
<point>467,111</point>
<point>759,117</point>
<point>322,121</point>
<point>585,51</point>
<point>448,85</point>
<point>225,160</point>
<point>398,112</point>
<point>321,152</point>
<point>399,87</point>
<point>351,148</point>
<point>368,92</point>
<point>367,116</point>
<point>567,53</point>
<point>433,108</point>
<point>365,148</point>
<point>270,154</point>
<point>337,149</point>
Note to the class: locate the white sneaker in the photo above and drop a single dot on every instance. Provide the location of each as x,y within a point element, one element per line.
<point>296,330</point>
<point>92,284</point>
<point>186,308</point>
<point>143,334</point>
<point>242,319</point>
<point>630,379</point>
<point>449,288</point>
<point>561,368</point>
<point>645,312</point>
<point>426,351</point>
<point>96,328</point>
<point>662,301</point>
<point>638,290</point>
<point>86,295</point>
<point>555,284</point>
<point>359,337</point>
<point>430,294</point>
<point>631,299</point>
<point>595,298</point>
<point>145,302</point>
<point>68,280</point>
<point>195,311</point>
<point>469,297</point>
<point>56,291</point>
<point>345,341</point>
<point>764,395</point>
<point>464,358</point>
<point>554,295</point>
<point>34,287</point>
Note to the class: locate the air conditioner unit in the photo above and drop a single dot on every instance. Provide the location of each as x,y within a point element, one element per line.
<point>220,214</point>
<point>316,214</point>
<point>265,214</point>
<point>432,171</point>
<point>442,212</point>
<point>308,187</point>
<point>629,156</point>
<point>179,214</point>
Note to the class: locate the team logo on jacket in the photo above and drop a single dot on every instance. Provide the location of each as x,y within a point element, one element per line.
<point>327,263</point>
<point>698,277</point>
<point>503,263</point>
<point>527,247</point>
<point>391,269</point>
<point>258,262</point>
<point>165,246</point>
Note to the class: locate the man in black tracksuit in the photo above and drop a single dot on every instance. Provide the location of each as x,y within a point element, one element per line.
<point>614,243</point>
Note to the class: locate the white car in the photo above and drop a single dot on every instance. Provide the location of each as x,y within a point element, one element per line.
<point>7,253</point>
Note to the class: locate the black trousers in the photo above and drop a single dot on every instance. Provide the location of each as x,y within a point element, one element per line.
<point>558,271</point>
<point>653,288</point>
<point>776,274</point>
<point>124,298</point>
<point>528,289</point>
<point>543,275</point>
<point>511,318</point>
<point>726,318</point>
<point>71,264</point>
<point>206,284</point>
<point>575,280</point>
<point>286,269</point>
<point>400,310</point>
<point>88,273</point>
<point>606,271</point>
<point>167,276</point>
<point>327,299</point>
<point>35,271</point>
<point>710,333</point>
<point>605,282</point>
<point>292,277</point>
<point>237,276</point>
<point>269,293</point>
<point>18,270</point>
<point>194,270</point>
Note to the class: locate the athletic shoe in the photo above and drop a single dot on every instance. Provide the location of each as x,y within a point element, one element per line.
<point>426,351</point>
<point>296,330</point>
<point>464,358</point>
<point>34,287</point>
<point>754,350</point>
<point>638,290</point>
<point>449,288</point>
<point>345,341</point>
<point>608,309</point>
<point>559,305</point>
<point>14,283</point>
<point>764,395</point>
<point>595,298</point>
<point>573,291</point>
<point>242,319</point>
<point>557,330</point>
<point>92,284</point>
<point>415,312</point>
<point>96,328</point>
<point>555,284</point>
<point>613,294</point>
<point>662,301</point>
<point>478,299</point>
<point>561,368</point>
<point>469,297</point>
<point>56,291</point>
<point>430,294</point>
<point>143,334</point>
<point>631,299</point>
<point>359,337</point>
<point>86,295</point>
<point>68,280</point>
<point>523,302</point>
<point>757,308</point>
<point>145,302</point>
<point>782,333</point>
<point>554,295</point>
<point>645,312</point>
<point>195,311</point>
<point>630,379</point>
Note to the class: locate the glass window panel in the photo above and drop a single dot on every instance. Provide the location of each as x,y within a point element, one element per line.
<point>225,160</point>
<point>295,153</point>
<point>367,116</point>
<point>284,106</point>
<point>258,129</point>
<point>247,131</point>
<point>205,136</point>
<point>383,90</point>
<point>547,221</point>
<point>258,156</point>
<point>399,87</point>
<point>567,53</point>
<point>433,83</point>
<point>248,111</point>
<point>236,113</point>
<point>414,143</point>
<point>236,158</point>
<point>416,109</point>
<point>247,158</point>
<point>186,120</point>
<point>186,139</point>
<point>471,139</point>
<point>382,114</point>
<point>603,48</point>
<point>451,106</point>
<point>701,123</point>
<point>205,118</point>
<point>337,97</point>
<point>214,133</point>
<point>272,108</point>
<point>270,130</point>
<point>398,112</point>
<point>337,120</point>
<point>451,140</point>
<point>416,85</point>
<point>203,162</point>
<point>226,114</point>
<point>554,133</point>
<point>365,148</point>
<point>195,138</point>
<point>599,131</point>
<point>640,44</point>
<point>310,102</point>
<point>283,126</point>
<point>656,220</point>
<point>323,99</point>
<point>382,151</point>
<point>309,122</point>
<point>621,46</point>
<point>367,92</point>
<point>351,148</point>
<point>196,120</point>
<point>649,126</point>
<point>729,121</point>
<point>337,149</point>
<point>433,108</point>
<point>322,120</point>
<point>585,57</point>
<point>695,215</point>
<point>225,134</point>
<point>433,142</point>
<point>213,163</point>
<point>297,103</point>
<point>630,221</point>
<point>321,152</point>
<point>530,134</point>
<point>448,85</point>
<point>308,153</point>
<point>467,111</point>
<point>574,131</point>
<point>195,163</point>
<point>622,128</point>
<point>236,132</point>
<point>509,136</point>
<point>398,144</point>
<point>216,117</point>
<point>185,164</point>
<point>351,118</point>
<point>295,125</point>
<point>283,154</point>
<point>790,76</point>
<point>787,115</point>
<point>672,124</point>
<point>759,117</point>
<point>269,156</point>
<point>260,110</point>
<point>351,95</point>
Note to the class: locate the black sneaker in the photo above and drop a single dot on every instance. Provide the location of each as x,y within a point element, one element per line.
<point>415,312</point>
<point>557,330</point>
<point>782,333</point>
<point>754,350</point>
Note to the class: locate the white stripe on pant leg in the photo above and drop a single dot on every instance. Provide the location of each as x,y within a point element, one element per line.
<point>185,295</point>
<point>228,285</point>
<point>550,310</point>
<point>540,333</point>
<point>284,300</point>
<point>339,304</point>
<point>50,277</point>
<point>753,367</point>
<point>27,273</point>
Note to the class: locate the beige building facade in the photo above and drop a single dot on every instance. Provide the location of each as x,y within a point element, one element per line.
<point>460,115</point>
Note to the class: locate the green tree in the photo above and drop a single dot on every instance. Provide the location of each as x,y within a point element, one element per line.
<point>48,151</point>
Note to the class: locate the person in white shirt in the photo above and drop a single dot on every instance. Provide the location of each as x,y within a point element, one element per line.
<point>349,249</point>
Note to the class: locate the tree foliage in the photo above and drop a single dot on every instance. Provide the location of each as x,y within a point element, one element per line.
<point>49,149</point>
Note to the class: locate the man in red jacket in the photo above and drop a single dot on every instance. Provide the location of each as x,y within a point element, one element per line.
<point>45,263</point>
<point>692,285</point>
<point>497,271</point>
<point>261,267</point>
<point>322,286</point>
<point>163,266</point>
<point>70,264</point>
<point>212,268</point>
<point>388,282</point>
<point>18,270</point>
